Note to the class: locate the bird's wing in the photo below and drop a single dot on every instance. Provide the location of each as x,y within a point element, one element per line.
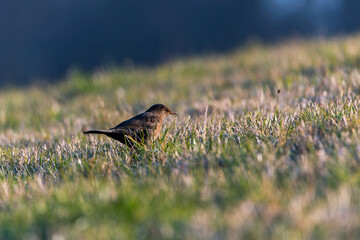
<point>139,128</point>
<point>138,123</point>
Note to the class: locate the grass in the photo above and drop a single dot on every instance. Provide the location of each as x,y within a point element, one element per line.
<point>263,149</point>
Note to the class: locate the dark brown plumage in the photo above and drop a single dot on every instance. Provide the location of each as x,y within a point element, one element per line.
<point>142,128</point>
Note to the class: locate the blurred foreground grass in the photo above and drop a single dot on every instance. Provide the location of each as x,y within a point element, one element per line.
<point>261,150</point>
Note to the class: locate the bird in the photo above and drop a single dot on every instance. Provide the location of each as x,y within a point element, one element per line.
<point>140,129</point>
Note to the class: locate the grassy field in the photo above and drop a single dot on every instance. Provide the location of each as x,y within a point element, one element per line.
<point>267,146</point>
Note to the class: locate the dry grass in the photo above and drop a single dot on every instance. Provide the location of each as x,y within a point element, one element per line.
<point>262,149</point>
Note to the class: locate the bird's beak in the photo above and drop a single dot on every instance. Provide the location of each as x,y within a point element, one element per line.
<point>175,113</point>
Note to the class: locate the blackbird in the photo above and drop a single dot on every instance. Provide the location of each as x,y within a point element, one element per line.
<point>141,129</point>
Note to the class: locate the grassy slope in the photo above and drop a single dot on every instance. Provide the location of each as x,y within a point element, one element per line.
<point>242,160</point>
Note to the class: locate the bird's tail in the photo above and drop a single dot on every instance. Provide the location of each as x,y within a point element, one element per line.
<point>97,132</point>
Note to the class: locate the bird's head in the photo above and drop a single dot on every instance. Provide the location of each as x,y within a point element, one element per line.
<point>161,109</point>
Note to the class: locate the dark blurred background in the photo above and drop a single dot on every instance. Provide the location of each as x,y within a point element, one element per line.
<point>42,39</point>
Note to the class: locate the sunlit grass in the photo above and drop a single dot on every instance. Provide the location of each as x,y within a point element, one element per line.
<point>262,149</point>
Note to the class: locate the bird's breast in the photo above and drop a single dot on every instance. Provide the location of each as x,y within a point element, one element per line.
<point>157,130</point>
